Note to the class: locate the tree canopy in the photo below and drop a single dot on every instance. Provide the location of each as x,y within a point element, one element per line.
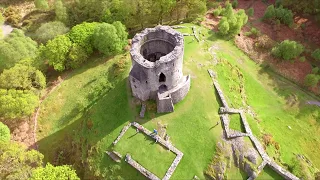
<point>50,172</point>
<point>287,50</point>
<point>15,47</point>
<point>41,4</point>
<point>17,103</point>
<point>50,30</point>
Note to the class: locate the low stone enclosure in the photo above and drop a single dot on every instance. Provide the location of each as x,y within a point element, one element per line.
<point>230,134</point>
<point>161,141</point>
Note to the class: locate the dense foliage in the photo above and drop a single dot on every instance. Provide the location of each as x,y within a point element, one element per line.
<point>14,48</point>
<point>41,4</point>
<point>311,80</point>
<point>4,133</point>
<point>50,172</point>
<point>287,50</point>
<point>12,16</point>
<point>22,77</point>
<point>279,13</point>
<point>16,162</point>
<point>250,11</point>
<point>316,54</point>
<point>110,39</point>
<point>50,30</point>
<point>232,23</point>
<point>61,11</point>
<point>17,103</point>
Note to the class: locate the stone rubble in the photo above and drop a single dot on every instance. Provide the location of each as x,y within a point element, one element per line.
<point>224,111</point>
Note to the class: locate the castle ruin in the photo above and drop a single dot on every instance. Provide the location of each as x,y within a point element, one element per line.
<point>157,60</point>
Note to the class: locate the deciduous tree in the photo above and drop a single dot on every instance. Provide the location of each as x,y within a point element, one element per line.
<point>50,172</point>
<point>50,30</point>
<point>4,133</point>
<point>41,4</point>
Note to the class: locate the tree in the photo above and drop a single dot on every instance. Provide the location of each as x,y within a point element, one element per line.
<point>50,30</point>
<point>4,133</point>
<point>15,47</point>
<point>17,103</point>
<point>61,11</point>
<point>195,8</point>
<point>316,54</point>
<point>56,52</point>
<point>106,39</point>
<point>81,34</point>
<point>50,172</point>
<point>311,80</point>
<point>41,4</point>
<point>164,7</point>
<point>223,26</point>
<point>287,50</point>
<point>16,162</point>
<point>121,32</point>
<point>235,3</point>
<point>22,77</point>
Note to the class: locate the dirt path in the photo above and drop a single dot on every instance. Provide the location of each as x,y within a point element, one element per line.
<point>36,115</point>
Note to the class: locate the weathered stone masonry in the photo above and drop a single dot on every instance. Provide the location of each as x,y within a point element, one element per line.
<point>157,60</point>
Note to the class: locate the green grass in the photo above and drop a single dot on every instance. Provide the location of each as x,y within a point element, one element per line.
<point>269,173</point>
<point>143,149</point>
<point>82,117</point>
<point>236,123</point>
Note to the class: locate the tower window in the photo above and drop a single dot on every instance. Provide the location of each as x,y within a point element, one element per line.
<point>162,78</point>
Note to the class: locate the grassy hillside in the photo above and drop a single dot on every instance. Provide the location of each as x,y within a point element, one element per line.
<point>82,117</point>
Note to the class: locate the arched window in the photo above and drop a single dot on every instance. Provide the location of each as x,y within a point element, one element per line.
<point>162,78</point>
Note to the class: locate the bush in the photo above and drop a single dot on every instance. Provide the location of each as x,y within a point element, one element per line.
<point>41,4</point>
<point>282,14</point>
<point>12,15</point>
<point>315,70</point>
<point>77,56</point>
<point>50,30</point>
<point>235,3</point>
<point>251,11</point>
<point>223,26</point>
<point>51,172</point>
<point>217,11</point>
<point>311,80</point>
<point>287,50</point>
<point>302,59</point>
<point>316,54</point>
<point>253,32</point>
<point>4,133</point>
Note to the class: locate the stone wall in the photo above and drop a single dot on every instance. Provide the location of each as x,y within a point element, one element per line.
<point>224,111</point>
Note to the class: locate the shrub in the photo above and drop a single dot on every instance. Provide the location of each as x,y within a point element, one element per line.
<point>217,11</point>
<point>50,30</point>
<point>41,4</point>
<point>253,32</point>
<point>311,80</point>
<point>13,16</point>
<point>223,26</point>
<point>302,59</point>
<point>51,172</point>
<point>269,13</point>
<point>278,3</point>
<point>315,70</point>
<point>235,3</point>
<point>316,54</point>
<point>251,11</point>
<point>287,50</point>
<point>4,133</point>
<point>1,19</point>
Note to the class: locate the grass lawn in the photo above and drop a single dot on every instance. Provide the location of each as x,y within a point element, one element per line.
<point>269,173</point>
<point>143,149</point>
<point>236,123</point>
<point>80,119</point>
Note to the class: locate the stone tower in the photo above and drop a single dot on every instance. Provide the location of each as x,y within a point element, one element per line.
<point>157,60</point>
